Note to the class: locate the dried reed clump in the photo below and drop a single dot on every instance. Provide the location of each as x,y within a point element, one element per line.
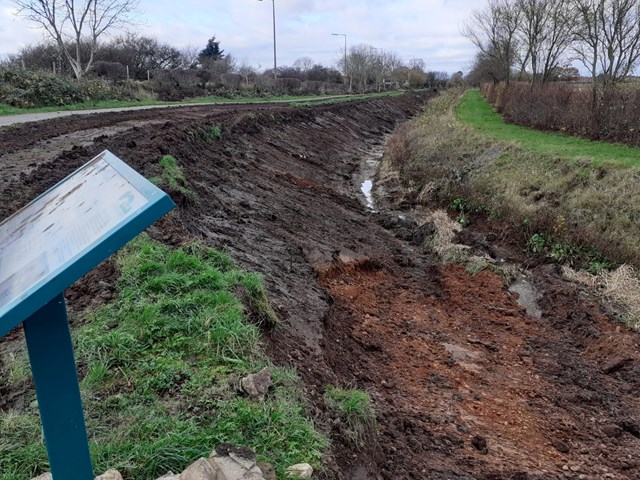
<point>442,241</point>
<point>620,288</point>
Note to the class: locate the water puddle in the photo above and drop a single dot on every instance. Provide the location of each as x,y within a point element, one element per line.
<point>527,296</point>
<point>366,188</point>
<point>367,172</point>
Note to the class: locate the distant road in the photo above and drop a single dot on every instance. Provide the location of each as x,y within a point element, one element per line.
<point>8,120</point>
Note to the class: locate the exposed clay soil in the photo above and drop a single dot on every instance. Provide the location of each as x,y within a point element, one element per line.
<point>465,383</point>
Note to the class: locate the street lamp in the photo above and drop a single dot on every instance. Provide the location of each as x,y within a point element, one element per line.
<point>345,54</point>
<point>275,57</point>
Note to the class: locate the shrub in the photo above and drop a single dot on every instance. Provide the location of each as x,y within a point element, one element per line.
<point>27,89</point>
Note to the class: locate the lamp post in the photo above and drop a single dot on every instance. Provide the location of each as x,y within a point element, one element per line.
<point>275,56</point>
<point>345,55</point>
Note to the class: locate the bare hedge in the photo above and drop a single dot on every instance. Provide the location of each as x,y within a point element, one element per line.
<point>570,109</point>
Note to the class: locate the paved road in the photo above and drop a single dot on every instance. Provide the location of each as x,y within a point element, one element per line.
<point>36,117</point>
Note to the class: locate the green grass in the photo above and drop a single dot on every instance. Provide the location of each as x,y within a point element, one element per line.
<point>174,178</point>
<point>160,368</point>
<point>304,100</point>
<point>475,111</point>
<point>353,407</point>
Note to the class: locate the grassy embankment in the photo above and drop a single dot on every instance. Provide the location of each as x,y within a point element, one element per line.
<point>574,200</point>
<point>160,368</point>
<point>297,101</point>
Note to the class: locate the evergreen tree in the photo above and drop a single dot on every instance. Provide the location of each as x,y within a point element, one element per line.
<point>211,52</point>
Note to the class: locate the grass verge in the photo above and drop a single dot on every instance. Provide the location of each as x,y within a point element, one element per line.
<point>159,370</point>
<point>475,111</point>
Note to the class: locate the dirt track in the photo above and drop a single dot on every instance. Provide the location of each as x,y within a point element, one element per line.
<point>466,384</point>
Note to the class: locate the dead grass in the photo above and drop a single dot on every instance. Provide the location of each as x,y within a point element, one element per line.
<point>443,244</point>
<point>620,288</point>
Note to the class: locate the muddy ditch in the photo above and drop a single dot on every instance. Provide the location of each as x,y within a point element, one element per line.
<point>466,384</point>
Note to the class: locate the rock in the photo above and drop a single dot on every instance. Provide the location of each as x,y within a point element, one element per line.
<point>257,385</point>
<point>301,471</point>
<point>169,476</point>
<point>561,446</point>
<point>110,475</point>
<point>233,463</point>
<point>268,472</point>
<point>480,444</point>
<point>201,469</point>
<point>44,476</point>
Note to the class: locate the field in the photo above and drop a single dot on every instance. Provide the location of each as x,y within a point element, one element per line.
<point>400,346</point>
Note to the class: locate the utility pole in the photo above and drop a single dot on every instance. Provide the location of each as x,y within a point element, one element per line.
<point>275,54</point>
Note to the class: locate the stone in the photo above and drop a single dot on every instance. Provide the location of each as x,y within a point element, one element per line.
<point>110,475</point>
<point>235,463</point>
<point>257,385</point>
<point>302,471</point>
<point>201,469</point>
<point>268,472</point>
<point>44,476</point>
<point>169,476</point>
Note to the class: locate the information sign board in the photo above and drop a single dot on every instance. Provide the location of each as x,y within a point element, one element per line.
<point>44,248</point>
<point>67,231</point>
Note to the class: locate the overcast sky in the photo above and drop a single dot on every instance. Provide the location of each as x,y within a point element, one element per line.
<point>428,29</point>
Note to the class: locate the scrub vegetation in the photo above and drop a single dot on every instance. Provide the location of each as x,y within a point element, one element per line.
<point>160,368</point>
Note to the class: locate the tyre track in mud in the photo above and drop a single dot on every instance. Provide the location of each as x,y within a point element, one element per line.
<point>466,385</point>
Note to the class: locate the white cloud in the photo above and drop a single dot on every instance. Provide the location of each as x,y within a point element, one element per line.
<point>427,29</point>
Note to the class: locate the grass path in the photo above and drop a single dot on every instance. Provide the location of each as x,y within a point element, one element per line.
<point>475,111</point>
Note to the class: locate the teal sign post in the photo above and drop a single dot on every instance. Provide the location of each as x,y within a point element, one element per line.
<point>46,247</point>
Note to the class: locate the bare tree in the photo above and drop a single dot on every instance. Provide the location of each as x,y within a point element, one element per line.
<point>189,56</point>
<point>620,45</point>
<point>546,31</point>
<point>588,36</point>
<point>493,30</point>
<point>304,64</point>
<point>71,23</point>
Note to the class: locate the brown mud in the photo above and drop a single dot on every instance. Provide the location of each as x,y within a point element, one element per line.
<point>465,383</point>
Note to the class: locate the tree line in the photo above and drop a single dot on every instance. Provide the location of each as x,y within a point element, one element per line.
<point>539,39</point>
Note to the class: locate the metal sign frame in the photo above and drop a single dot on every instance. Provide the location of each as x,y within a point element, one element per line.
<point>42,309</point>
